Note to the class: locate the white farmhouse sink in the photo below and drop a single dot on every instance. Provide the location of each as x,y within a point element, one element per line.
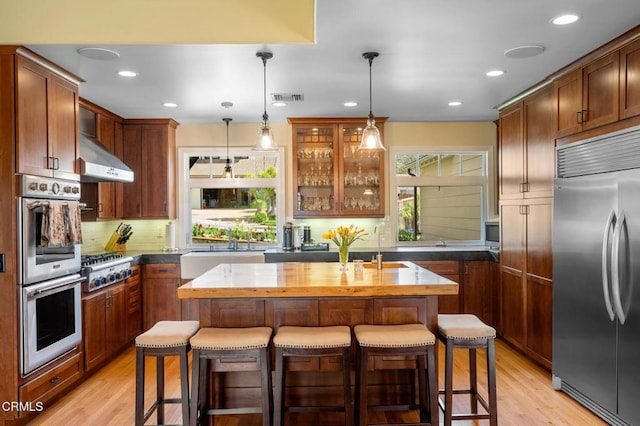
<point>196,263</point>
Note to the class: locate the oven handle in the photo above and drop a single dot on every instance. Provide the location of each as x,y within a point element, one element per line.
<point>36,204</point>
<point>52,286</point>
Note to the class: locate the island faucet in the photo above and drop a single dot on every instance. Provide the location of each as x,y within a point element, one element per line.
<point>378,258</point>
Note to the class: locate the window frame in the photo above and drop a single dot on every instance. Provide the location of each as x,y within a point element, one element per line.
<point>186,184</point>
<point>395,182</point>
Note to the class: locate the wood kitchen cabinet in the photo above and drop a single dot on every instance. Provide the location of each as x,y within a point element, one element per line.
<point>46,113</point>
<point>101,197</point>
<point>331,177</point>
<point>160,301</point>
<point>53,382</point>
<point>629,80</point>
<point>526,268</point>
<point>480,290</point>
<point>527,147</point>
<point>105,324</point>
<point>449,269</point>
<point>149,149</point>
<point>133,296</point>
<point>587,97</point>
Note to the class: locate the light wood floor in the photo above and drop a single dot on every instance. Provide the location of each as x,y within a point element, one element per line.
<point>525,396</point>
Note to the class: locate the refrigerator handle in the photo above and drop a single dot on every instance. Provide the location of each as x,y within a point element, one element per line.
<point>615,267</point>
<point>605,265</point>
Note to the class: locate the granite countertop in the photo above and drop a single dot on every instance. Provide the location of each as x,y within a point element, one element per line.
<point>414,253</point>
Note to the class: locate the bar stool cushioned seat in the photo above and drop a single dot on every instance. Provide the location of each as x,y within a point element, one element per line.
<point>230,343</point>
<point>400,340</point>
<point>312,342</point>
<point>165,338</point>
<point>468,332</point>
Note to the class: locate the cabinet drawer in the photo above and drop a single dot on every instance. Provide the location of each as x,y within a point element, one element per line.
<point>441,267</point>
<point>133,286</point>
<point>162,270</point>
<point>46,386</point>
<point>133,304</point>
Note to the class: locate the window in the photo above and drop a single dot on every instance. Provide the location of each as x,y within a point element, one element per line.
<point>218,212</point>
<point>440,196</point>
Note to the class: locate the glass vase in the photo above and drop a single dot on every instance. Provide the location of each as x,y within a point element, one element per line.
<point>343,251</point>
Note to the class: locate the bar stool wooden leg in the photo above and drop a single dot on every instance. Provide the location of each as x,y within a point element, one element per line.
<point>432,385</point>
<point>448,383</point>
<point>139,421</point>
<point>160,388</point>
<point>267,403</point>
<point>346,386</point>
<point>473,381</point>
<point>362,383</point>
<point>278,397</point>
<point>491,369</point>
<point>422,392</point>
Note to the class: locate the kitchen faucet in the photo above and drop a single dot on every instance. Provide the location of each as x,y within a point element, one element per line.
<point>378,258</point>
<point>233,241</point>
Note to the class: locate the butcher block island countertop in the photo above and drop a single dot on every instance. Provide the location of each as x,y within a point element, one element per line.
<point>315,280</point>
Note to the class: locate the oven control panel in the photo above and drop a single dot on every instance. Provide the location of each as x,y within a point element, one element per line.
<point>42,187</point>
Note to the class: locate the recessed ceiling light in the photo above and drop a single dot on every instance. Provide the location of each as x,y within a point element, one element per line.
<point>565,19</point>
<point>170,104</point>
<point>126,73</point>
<point>350,104</point>
<point>494,73</point>
<point>98,53</point>
<point>454,103</point>
<point>279,104</point>
<point>521,52</point>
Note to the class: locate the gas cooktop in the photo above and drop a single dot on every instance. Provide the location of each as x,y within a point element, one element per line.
<point>101,270</point>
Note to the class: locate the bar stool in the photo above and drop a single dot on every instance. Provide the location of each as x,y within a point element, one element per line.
<point>312,342</point>
<point>468,332</point>
<point>165,338</point>
<point>400,340</point>
<point>230,343</point>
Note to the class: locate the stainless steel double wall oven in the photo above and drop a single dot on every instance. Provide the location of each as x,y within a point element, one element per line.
<point>50,308</point>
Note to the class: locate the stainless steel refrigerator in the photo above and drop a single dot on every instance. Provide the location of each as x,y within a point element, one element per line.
<point>596,275</point>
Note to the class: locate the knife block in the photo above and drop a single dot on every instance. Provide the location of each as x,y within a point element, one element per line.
<point>121,247</point>
<point>112,243</point>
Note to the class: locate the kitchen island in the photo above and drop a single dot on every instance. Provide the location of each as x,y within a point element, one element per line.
<point>315,294</point>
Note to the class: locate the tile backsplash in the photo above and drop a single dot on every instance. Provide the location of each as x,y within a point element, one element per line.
<point>147,234</point>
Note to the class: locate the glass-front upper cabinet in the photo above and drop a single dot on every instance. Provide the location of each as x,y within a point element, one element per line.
<point>331,177</point>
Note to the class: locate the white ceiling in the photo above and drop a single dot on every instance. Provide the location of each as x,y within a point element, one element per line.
<point>431,52</point>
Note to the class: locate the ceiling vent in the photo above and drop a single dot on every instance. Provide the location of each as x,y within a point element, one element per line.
<point>287,97</point>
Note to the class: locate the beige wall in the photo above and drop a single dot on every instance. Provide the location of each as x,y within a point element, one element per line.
<point>149,234</point>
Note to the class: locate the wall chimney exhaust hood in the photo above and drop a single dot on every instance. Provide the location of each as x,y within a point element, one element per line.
<point>97,164</point>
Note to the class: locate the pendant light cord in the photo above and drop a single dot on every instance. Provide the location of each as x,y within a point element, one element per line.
<point>370,56</point>
<point>227,120</point>
<point>265,116</point>
<point>370,89</point>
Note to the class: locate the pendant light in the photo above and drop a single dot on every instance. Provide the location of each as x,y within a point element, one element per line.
<point>371,135</point>
<point>265,136</point>
<point>228,172</point>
